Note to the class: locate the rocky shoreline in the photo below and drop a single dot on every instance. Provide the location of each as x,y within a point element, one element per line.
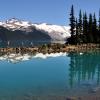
<point>53,48</point>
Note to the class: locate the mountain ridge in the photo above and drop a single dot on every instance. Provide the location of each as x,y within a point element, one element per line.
<point>49,31</point>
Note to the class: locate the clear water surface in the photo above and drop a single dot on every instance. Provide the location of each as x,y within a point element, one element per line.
<point>70,74</point>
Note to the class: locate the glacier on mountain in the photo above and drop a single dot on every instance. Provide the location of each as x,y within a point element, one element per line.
<point>56,32</point>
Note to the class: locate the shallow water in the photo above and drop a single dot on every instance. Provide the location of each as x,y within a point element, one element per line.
<point>61,74</point>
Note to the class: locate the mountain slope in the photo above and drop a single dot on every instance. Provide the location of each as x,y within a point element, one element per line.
<point>56,32</point>
<point>19,29</point>
<point>16,37</point>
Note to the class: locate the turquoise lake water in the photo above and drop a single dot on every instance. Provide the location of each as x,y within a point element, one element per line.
<point>68,74</point>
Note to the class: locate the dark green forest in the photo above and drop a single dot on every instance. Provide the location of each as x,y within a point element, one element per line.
<point>85,28</point>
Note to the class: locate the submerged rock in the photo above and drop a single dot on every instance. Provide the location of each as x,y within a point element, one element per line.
<point>71,98</point>
<point>94,90</point>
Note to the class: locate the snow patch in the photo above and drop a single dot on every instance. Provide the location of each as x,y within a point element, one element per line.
<point>56,32</point>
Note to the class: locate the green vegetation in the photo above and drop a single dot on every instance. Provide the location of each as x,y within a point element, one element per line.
<point>85,29</point>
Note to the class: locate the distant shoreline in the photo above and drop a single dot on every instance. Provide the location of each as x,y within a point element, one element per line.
<point>53,48</point>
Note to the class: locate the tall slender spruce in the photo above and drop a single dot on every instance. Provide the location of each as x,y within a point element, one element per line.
<point>72,25</point>
<point>94,29</point>
<point>78,39</point>
<point>80,22</point>
<point>85,27</point>
<point>98,39</point>
<point>94,23</point>
<point>72,21</point>
<point>77,27</point>
<point>99,19</point>
<point>90,26</point>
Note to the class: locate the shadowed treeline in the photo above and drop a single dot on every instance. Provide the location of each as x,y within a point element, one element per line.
<point>85,28</point>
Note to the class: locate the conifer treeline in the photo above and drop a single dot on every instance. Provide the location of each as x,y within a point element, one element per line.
<point>85,28</point>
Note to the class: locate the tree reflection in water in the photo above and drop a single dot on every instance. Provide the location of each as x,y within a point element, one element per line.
<point>85,67</point>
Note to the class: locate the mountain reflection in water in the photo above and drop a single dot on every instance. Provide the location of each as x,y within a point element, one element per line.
<point>18,57</point>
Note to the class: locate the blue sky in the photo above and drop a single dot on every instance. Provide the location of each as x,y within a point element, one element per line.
<point>48,11</point>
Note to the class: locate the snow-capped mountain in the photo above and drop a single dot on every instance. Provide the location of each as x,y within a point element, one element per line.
<point>16,24</point>
<point>56,32</point>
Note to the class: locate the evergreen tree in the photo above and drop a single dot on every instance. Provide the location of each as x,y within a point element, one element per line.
<point>85,27</point>
<point>80,22</point>
<point>72,25</point>
<point>99,20</point>
<point>94,29</point>
<point>77,28</point>
<point>77,33</point>
<point>84,30</point>
<point>98,35</point>
<point>72,21</point>
<point>90,32</point>
<point>94,22</point>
